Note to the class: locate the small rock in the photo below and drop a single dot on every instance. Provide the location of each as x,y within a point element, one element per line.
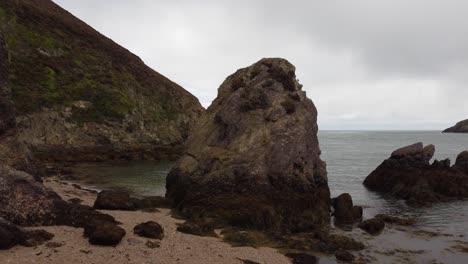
<point>152,244</point>
<point>344,255</point>
<point>373,226</point>
<point>54,244</point>
<point>301,258</point>
<point>149,229</point>
<point>75,200</point>
<point>36,237</point>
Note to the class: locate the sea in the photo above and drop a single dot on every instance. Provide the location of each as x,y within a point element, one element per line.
<point>350,157</point>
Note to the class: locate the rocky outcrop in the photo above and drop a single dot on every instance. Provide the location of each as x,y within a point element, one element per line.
<point>460,127</point>
<point>254,157</point>
<point>345,212</point>
<point>79,96</point>
<point>408,175</point>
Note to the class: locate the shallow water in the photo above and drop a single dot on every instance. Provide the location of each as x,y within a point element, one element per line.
<point>350,156</point>
<point>141,178</point>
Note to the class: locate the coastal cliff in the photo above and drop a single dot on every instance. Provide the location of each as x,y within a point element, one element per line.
<point>79,96</point>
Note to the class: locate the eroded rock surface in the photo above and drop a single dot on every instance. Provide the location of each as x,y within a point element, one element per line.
<point>408,175</point>
<point>254,157</point>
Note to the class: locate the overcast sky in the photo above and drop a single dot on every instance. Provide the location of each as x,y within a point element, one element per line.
<point>395,64</point>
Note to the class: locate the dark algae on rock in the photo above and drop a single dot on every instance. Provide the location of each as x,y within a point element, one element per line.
<point>253,160</point>
<point>80,96</point>
<point>408,175</point>
<point>460,127</point>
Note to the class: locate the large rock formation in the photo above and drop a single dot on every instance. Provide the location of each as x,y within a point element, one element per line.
<point>460,127</point>
<point>407,174</point>
<point>81,97</point>
<point>254,158</point>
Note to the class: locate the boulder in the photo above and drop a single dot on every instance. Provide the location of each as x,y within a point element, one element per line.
<point>345,212</point>
<point>149,229</point>
<point>26,202</point>
<point>104,233</point>
<point>373,226</point>
<point>302,258</point>
<point>462,161</point>
<point>114,200</point>
<point>11,235</point>
<point>408,175</point>
<point>344,255</point>
<point>460,127</point>
<point>254,158</point>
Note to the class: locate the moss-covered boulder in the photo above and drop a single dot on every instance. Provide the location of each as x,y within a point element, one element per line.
<point>253,160</point>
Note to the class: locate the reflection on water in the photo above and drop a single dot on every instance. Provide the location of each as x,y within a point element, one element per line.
<point>141,178</point>
<point>350,157</point>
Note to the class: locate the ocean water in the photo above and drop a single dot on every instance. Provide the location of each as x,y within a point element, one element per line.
<point>350,157</point>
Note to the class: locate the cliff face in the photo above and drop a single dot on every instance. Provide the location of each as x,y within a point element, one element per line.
<point>460,127</point>
<point>254,158</point>
<point>80,96</point>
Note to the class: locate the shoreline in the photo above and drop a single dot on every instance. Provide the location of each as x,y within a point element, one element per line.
<point>395,245</point>
<point>175,247</point>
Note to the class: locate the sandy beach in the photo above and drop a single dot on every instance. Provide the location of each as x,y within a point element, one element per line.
<point>175,247</point>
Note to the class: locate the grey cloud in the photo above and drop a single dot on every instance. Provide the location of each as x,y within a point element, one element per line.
<point>366,64</point>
